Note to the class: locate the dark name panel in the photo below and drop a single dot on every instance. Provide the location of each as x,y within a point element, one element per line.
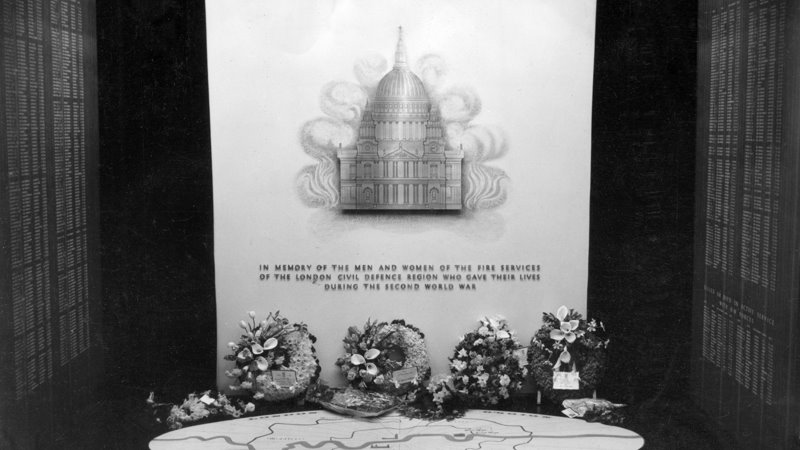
<point>45,112</point>
<point>48,143</point>
<point>746,273</point>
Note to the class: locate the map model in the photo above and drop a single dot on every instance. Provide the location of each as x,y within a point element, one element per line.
<point>323,430</point>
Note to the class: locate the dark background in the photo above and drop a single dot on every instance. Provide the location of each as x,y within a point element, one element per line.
<point>157,216</point>
<point>156,197</point>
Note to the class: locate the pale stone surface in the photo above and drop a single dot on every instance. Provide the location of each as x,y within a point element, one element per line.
<point>325,430</point>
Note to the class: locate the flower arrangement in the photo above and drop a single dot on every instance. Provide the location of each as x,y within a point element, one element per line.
<point>388,357</point>
<point>489,363</point>
<point>352,401</point>
<point>568,343</point>
<point>439,400</point>
<point>197,407</point>
<point>275,360</point>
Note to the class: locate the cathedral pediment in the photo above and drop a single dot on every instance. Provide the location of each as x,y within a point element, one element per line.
<point>400,150</point>
<point>401,155</point>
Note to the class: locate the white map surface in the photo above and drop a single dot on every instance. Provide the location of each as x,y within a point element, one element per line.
<point>478,429</point>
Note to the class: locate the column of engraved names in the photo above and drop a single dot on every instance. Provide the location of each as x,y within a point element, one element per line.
<point>718,330</point>
<point>755,356</point>
<point>23,51</point>
<point>723,135</point>
<point>66,39</point>
<point>750,361</point>
<point>713,337</point>
<point>762,143</point>
<point>721,169</point>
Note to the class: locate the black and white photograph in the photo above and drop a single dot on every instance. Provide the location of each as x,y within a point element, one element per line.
<point>449,224</point>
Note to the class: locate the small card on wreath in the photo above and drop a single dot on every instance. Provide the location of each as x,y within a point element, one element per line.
<point>566,380</point>
<point>284,378</point>
<point>403,376</point>
<point>569,412</point>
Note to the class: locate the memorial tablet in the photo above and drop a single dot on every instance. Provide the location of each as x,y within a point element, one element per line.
<point>437,174</point>
<point>49,298</point>
<point>746,284</point>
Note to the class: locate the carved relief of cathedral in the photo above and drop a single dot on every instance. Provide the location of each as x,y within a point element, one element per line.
<point>401,160</point>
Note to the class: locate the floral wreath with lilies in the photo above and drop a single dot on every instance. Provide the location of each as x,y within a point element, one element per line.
<point>488,364</point>
<point>567,342</point>
<point>375,357</point>
<point>272,346</point>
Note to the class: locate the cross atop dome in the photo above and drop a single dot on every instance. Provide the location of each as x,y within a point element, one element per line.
<point>400,52</point>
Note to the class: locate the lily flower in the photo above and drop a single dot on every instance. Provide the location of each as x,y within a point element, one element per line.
<point>372,353</point>
<point>493,322</point>
<point>562,313</point>
<point>245,355</point>
<point>262,363</point>
<point>257,349</point>
<point>372,369</point>
<point>270,343</point>
<point>358,359</point>
<point>567,328</point>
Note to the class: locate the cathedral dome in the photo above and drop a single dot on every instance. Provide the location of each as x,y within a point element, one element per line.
<point>401,159</point>
<point>401,84</point>
<point>401,95</point>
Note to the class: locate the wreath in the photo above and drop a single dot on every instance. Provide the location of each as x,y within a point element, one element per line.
<point>205,406</point>
<point>568,343</point>
<point>387,357</point>
<point>275,360</point>
<point>438,401</point>
<point>489,364</point>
